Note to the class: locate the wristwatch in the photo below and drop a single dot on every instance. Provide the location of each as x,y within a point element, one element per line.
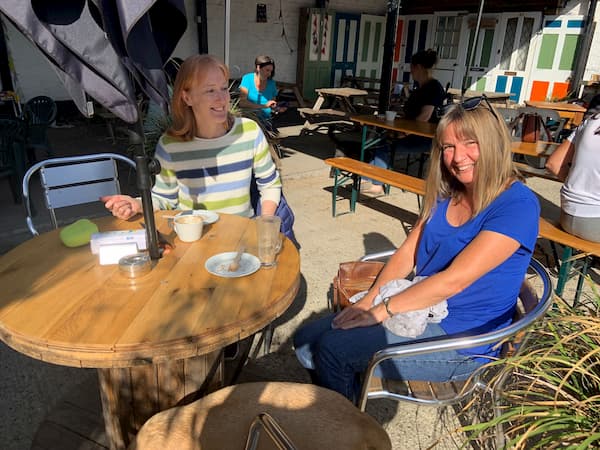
<point>386,302</point>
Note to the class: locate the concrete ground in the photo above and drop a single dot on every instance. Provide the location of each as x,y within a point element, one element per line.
<point>29,388</point>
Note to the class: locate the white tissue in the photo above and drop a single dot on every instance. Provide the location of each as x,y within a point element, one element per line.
<point>112,253</point>
<point>408,324</point>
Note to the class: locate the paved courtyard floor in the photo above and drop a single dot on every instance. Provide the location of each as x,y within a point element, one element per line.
<point>29,389</point>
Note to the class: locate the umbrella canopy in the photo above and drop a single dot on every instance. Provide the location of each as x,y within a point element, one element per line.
<point>103,47</point>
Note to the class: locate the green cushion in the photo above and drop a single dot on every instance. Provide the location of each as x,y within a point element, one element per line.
<point>78,233</point>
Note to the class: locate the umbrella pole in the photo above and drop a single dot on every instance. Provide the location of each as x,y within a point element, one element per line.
<point>473,49</point>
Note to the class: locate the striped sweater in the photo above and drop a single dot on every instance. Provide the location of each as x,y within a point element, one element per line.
<point>215,174</point>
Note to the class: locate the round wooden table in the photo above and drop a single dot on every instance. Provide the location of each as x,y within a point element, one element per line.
<point>155,339</point>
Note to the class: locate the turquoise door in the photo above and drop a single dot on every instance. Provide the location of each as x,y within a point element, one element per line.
<point>345,46</point>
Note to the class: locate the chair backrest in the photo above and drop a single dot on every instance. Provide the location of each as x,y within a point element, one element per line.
<point>11,135</point>
<point>72,181</point>
<point>40,110</point>
<point>536,297</point>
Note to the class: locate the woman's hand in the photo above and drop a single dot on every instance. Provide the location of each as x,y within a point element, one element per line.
<point>359,315</point>
<point>122,206</point>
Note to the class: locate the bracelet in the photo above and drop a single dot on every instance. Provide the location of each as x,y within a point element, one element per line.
<point>386,302</point>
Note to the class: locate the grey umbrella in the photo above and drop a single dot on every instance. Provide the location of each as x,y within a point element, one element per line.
<point>103,46</point>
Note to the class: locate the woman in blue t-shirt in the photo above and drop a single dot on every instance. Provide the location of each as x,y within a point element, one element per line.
<point>258,89</point>
<point>472,242</point>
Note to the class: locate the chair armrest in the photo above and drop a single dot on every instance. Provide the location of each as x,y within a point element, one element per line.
<point>463,342</point>
<point>379,255</point>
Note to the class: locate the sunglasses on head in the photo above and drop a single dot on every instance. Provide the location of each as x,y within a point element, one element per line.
<point>468,105</point>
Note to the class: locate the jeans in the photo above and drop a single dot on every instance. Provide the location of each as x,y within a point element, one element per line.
<point>338,357</point>
<point>410,144</point>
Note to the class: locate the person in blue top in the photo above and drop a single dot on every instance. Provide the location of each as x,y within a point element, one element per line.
<point>473,242</point>
<point>258,89</point>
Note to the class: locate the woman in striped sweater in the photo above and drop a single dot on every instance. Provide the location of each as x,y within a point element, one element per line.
<point>208,157</point>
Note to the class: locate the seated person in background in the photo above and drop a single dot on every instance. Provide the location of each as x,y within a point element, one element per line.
<point>208,157</point>
<point>576,161</point>
<point>420,105</point>
<point>258,90</point>
<point>473,242</point>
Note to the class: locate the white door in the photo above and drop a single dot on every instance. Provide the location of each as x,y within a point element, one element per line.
<point>484,57</point>
<point>447,42</point>
<point>553,62</point>
<point>415,32</point>
<point>370,46</point>
<point>514,54</point>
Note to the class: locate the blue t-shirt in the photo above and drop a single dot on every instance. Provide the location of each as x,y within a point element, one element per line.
<point>489,303</point>
<point>259,97</point>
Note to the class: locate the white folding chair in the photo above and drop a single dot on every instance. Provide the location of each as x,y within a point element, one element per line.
<point>73,180</point>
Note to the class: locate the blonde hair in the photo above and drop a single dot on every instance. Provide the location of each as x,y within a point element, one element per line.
<point>192,71</point>
<point>495,170</point>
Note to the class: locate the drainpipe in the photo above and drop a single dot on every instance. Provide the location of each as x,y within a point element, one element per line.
<point>202,26</point>
<point>583,49</point>
<point>387,64</point>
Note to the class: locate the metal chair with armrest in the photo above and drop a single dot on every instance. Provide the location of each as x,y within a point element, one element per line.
<point>535,299</point>
<point>73,180</point>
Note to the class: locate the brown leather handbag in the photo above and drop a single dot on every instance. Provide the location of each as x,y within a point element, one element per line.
<point>532,124</point>
<point>352,278</point>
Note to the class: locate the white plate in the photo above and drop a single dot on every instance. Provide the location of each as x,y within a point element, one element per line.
<point>219,265</point>
<point>207,216</point>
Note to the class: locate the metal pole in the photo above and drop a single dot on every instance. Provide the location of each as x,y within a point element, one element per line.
<point>201,26</point>
<point>473,49</point>
<point>385,84</point>
<point>227,29</point>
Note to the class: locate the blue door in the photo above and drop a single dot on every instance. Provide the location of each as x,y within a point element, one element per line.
<point>345,46</point>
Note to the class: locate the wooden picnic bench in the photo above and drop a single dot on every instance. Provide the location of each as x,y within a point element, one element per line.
<point>346,169</point>
<point>529,171</point>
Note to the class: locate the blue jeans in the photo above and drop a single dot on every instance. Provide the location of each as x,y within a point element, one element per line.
<point>410,144</point>
<point>338,357</point>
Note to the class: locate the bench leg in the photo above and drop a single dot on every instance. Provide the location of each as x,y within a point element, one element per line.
<point>336,174</point>
<point>563,272</point>
<point>355,190</point>
<point>580,280</point>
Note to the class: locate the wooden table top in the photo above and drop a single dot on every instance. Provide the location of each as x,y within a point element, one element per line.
<point>539,148</point>
<point>342,91</point>
<point>58,304</point>
<point>489,94</point>
<point>408,126</point>
<point>558,106</point>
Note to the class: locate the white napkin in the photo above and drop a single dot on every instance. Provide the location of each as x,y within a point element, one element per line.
<point>408,324</point>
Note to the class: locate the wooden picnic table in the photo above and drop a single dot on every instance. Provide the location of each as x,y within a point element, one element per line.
<point>540,148</point>
<point>339,104</point>
<point>155,339</point>
<point>377,124</point>
<point>493,97</point>
<point>570,111</point>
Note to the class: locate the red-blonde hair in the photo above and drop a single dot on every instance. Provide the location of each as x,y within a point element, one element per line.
<point>192,71</point>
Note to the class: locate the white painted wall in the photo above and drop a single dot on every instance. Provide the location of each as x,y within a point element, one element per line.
<point>35,75</point>
<point>249,38</point>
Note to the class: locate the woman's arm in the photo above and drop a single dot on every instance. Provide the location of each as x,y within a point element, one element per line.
<point>400,265</point>
<point>425,114</point>
<point>247,102</point>
<point>488,250</point>
<point>559,161</point>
